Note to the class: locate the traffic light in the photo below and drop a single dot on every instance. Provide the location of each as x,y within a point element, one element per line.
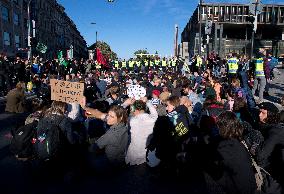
<point>250,19</point>
<point>253,20</point>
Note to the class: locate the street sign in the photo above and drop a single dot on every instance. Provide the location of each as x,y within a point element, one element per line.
<point>208,27</point>
<point>253,4</point>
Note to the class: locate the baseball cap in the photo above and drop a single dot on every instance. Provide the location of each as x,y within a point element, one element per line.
<point>269,107</point>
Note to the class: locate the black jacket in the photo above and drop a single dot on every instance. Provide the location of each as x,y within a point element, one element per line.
<point>273,144</point>
<point>271,156</point>
<point>230,166</point>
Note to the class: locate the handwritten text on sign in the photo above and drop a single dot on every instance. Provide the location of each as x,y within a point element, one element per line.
<point>64,91</point>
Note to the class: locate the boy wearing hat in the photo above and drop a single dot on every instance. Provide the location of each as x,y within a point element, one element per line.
<point>155,98</point>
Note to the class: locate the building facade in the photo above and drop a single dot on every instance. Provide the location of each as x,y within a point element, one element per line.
<point>13,26</point>
<point>231,29</point>
<point>52,27</point>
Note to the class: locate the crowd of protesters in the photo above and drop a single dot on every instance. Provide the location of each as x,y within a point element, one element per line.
<point>200,116</point>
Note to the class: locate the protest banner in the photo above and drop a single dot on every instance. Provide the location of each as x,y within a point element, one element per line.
<point>65,91</point>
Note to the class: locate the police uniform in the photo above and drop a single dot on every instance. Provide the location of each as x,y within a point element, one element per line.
<point>232,68</point>
<point>259,78</point>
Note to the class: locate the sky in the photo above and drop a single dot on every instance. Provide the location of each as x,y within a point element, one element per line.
<point>129,25</point>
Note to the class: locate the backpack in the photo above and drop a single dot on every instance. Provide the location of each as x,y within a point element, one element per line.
<point>22,144</point>
<point>50,138</point>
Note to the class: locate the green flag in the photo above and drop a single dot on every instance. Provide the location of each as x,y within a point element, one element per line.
<point>41,47</point>
<point>61,60</point>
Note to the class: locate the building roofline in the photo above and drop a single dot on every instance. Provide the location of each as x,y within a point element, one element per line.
<point>246,4</point>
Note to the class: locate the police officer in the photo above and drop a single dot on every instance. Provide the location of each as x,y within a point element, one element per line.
<point>123,64</point>
<point>232,67</point>
<point>130,65</point>
<point>259,77</point>
<point>164,64</point>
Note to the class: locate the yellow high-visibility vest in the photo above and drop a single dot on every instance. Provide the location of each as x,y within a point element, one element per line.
<point>116,64</point>
<point>164,63</point>
<point>131,64</point>
<point>198,62</point>
<point>233,65</point>
<point>157,62</point>
<point>259,70</point>
<point>146,63</point>
<point>138,63</point>
<point>123,64</point>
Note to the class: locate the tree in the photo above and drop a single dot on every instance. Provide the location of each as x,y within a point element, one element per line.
<point>105,50</point>
<point>141,51</point>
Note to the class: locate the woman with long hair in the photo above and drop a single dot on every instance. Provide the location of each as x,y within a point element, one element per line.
<point>231,161</point>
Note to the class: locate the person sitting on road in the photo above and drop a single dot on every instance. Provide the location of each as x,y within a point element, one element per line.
<point>115,140</point>
<point>141,127</point>
<point>15,99</point>
<point>229,163</point>
<point>271,156</point>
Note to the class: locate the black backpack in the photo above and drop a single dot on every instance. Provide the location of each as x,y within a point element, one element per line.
<point>50,139</point>
<point>22,144</point>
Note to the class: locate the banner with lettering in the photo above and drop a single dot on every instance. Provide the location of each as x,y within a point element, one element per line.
<point>65,91</point>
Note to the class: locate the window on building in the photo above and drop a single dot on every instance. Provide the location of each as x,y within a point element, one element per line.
<point>17,41</point>
<point>281,19</point>
<point>5,13</point>
<point>16,1</point>
<point>246,10</point>
<point>269,14</point>
<point>16,19</point>
<point>25,22</point>
<point>6,38</point>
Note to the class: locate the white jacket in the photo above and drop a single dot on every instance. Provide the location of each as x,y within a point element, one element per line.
<point>141,127</point>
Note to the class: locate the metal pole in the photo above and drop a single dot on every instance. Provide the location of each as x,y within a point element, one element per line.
<point>246,41</point>
<point>29,32</point>
<point>252,44</point>
<point>252,37</point>
<point>200,19</point>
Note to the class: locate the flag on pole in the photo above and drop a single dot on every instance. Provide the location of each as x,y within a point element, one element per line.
<point>100,58</point>
<point>61,59</point>
<point>42,48</point>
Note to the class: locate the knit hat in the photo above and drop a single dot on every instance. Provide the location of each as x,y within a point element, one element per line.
<point>269,107</point>
<point>156,93</point>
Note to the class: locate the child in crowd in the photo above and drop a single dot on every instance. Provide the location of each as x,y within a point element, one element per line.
<point>155,98</point>
<point>238,91</point>
<point>230,100</point>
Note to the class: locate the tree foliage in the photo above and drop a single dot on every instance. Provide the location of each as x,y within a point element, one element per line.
<point>105,50</point>
<point>141,51</point>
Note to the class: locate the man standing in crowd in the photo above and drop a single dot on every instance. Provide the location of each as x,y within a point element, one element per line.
<point>259,74</point>
<point>232,67</point>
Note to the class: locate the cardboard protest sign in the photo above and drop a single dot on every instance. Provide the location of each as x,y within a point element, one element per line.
<point>65,91</point>
<point>136,91</point>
